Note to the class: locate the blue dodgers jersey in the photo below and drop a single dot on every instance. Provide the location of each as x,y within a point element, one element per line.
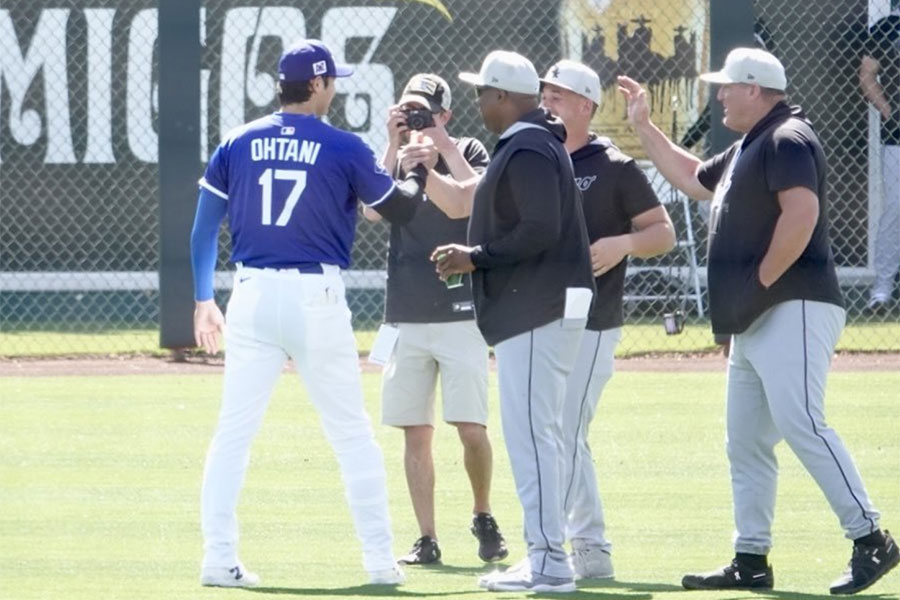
<point>292,182</point>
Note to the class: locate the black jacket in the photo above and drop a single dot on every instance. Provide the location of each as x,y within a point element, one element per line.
<point>527,220</point>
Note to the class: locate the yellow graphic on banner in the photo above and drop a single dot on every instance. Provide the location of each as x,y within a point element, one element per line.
<point>438,6</point>
<point>663,44</point>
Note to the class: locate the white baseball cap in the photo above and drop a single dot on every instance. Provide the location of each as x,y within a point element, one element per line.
<point>506,71</point>
<point>575,77</point>
<point>750,65</point>
<point>427,90</point>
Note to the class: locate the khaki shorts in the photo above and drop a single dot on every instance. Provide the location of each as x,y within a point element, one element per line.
<point>455,350</point>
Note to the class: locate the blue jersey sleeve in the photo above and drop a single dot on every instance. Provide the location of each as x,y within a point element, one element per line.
<point>369,180</point>
<point>215,178</point>
<point>211,210</point>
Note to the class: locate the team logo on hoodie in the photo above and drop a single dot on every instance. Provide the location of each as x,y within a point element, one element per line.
<point>584,183</point>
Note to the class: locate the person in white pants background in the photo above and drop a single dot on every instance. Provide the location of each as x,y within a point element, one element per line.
<point>879,80</point>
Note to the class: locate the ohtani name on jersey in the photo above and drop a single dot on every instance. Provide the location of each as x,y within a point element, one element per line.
<point>285,149</point>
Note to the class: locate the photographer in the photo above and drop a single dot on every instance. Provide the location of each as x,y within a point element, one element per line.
<point>434,321</point>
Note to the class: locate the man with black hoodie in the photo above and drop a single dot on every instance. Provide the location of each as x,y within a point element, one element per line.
<point>532,285</point>
<point>773,288</point>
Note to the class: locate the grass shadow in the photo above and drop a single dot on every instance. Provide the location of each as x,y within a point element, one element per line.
<point>634,586</point>
<point>474,571</point>
<point>383,591</point>
<point>786,595</point>
<point>583,593</point>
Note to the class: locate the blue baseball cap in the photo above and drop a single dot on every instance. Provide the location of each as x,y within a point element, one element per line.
<point>308,59</point>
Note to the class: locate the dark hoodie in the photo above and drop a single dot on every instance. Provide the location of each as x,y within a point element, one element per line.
<point>782,151</point>
<point>528,223</point>
<point>615,190</point>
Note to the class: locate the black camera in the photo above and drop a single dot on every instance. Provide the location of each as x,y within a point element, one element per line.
<point>419,118</point>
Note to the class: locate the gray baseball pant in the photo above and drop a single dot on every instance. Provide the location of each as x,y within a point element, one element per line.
<point>582,507</point>
<point>776,390</point>
<point>532,368</point>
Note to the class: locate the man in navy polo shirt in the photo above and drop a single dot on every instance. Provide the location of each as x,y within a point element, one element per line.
<point>289,184</point>
<point>773,288</point>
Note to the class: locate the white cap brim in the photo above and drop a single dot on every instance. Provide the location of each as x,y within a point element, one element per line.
<point>565,87</point>
<point>716,77</point>
<point>471,78</point>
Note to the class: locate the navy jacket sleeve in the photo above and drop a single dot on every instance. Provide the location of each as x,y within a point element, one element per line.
<point>533,180</point>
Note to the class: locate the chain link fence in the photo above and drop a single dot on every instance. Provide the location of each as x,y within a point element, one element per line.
<point>79,127</point>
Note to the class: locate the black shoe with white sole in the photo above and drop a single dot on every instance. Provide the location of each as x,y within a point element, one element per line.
<point>867,565</point>
<point>491,545</point>
<point>425,551</point>
<point>733,576</point>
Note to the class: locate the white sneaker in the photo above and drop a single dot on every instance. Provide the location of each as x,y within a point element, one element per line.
<point>591,562</point>
<point>392,576</point>
<point>877,301</point>
<point>523,566</point>
<point>236,576</point>
<point>526,581</point>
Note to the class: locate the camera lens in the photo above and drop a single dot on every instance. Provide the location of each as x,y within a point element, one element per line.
<point>419,118</point>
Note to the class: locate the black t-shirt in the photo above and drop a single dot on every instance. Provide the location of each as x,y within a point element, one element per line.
<point>414,292</point>
<point>614,191</point>
<point>782,151</point>
<point>883,44</point>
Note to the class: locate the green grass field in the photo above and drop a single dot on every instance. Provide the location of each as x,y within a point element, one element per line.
<point>99,485</point>
<point>638,339</point>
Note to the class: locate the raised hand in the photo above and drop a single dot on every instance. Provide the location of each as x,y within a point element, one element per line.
<point>636,97</point>
<point>396,126</point>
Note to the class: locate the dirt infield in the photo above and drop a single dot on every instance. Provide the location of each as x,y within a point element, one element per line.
<point>148,365</point>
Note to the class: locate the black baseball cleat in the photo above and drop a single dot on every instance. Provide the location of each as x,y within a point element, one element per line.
<point>425,551</point>
<point>733,576</point>
<point>491,545</point>
<point>867,565</point>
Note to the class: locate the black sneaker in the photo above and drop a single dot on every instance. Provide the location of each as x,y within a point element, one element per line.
<point>867,565</point>
<point>424,552</point>
<point>491,545</point>
<point>733,576</point>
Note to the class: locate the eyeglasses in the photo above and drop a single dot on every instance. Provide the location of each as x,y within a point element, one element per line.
<point>480,89</point>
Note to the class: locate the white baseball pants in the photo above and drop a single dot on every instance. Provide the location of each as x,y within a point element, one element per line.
<point>273,315</point>
<point>887,238</point>
<point>583,509</point>
<point>532,368</point>
<point>776,390</point>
